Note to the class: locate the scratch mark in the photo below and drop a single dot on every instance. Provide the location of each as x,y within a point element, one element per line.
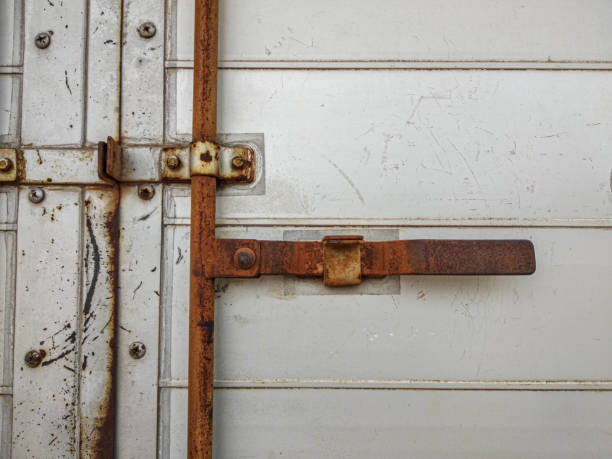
<point>67,85</point>
<point>96,272</point>
<point>145,216</point>
<point>180,256</point>
<point>136,289</point>
<point>348,180</point>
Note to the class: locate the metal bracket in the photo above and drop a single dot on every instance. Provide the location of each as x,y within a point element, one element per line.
<point>341,260</point>
<point>109,161</point>
<point>225,162</point>
<point>8,165</point>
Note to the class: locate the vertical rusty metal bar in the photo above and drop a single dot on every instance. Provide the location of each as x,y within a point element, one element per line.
<point>203,199</point>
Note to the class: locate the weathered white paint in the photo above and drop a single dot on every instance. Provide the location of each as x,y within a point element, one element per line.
<point>388,148</point>
<point>103,54</point>
<point>8,248</point>
<point>396,424</point>
<point>393,147</point>
<point>438,328</point>
<point>9,108</point>
<point>399,30</point>
<point>53,91</point>
<point>139,297</point>
<point>142,80</point>
<point>10,32</point>
<point>48,292</point>
<point>52,166</point>
<point>6,406</point>
<point>97,321</point>
<point>7,306</point>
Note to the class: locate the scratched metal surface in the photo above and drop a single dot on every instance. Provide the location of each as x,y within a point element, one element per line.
<point>359,133</point>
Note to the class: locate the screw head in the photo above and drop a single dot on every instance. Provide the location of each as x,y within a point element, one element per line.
<point>6,164</point>
<point>36,195</point>
<point>34,357</point>
<point>42,40</point>
<point>146,192</point>
<point>173,162</point>
<point>244,258</point>
<point>238,162</point>
<point>137,350</point>
<point>147,30</point>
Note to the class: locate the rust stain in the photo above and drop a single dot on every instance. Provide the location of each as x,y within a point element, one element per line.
<point>343,260</point>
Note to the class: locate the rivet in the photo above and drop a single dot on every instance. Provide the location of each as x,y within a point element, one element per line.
<point>146,192</point>
<point>36,195</point>
<point>34,357</point>
<point>42,40</point>
<point>137,350</point>
<point>244,258</point>
<point>173,162</point>
<point>238,162</point>
<point>6,164</point>
<point>147,30</point>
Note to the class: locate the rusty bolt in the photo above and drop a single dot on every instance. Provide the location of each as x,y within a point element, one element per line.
<point>36,195</point>
<point>238,162</point>
<point>147,30</point>
<point>146,192</point>
<point>137,350</point>
<point>42,40</point>
<point>244,258</point>
<point>6,164</point>
<point>173,162</point>
<point>34,357</point>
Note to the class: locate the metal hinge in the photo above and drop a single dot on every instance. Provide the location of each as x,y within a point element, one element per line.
<point>228,163</point>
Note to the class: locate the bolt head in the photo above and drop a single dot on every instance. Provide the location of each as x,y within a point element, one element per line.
<point>34,357</point>
<point>146,192</point>
<point>137,350</point>
<point>6,164</point>
<point>42,40</point>
<point>147,30</point>
<point>173,162</point>
<point>238,162</point>
<point>36,195</point>
<point>244,258</point>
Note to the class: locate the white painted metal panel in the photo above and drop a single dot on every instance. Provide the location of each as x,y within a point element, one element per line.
<point>142,78</point>
<point>395,147</point>
<point>103,55</point>
<point>47,166</point>
<point>5,425</point>
<point>97,323</point>
<point>10,32</point>
<point>53,77</point>
<point>139,280</point>
<point>399,30</point>
<point>8,248</point>
<point>541,328</point>
<point>7,307</point>
<point>48,289</point>
<point>9,108</point>
<point>400,424</point>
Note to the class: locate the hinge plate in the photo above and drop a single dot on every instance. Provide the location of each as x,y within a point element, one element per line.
<point>234,163</point>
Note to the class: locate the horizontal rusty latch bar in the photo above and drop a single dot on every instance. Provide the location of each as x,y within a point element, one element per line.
<point>344,260</point>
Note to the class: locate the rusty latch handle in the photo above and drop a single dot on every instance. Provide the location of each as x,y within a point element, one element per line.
<point>344,260</point>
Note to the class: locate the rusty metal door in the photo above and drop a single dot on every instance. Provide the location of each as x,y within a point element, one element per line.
<point>392,121</point>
